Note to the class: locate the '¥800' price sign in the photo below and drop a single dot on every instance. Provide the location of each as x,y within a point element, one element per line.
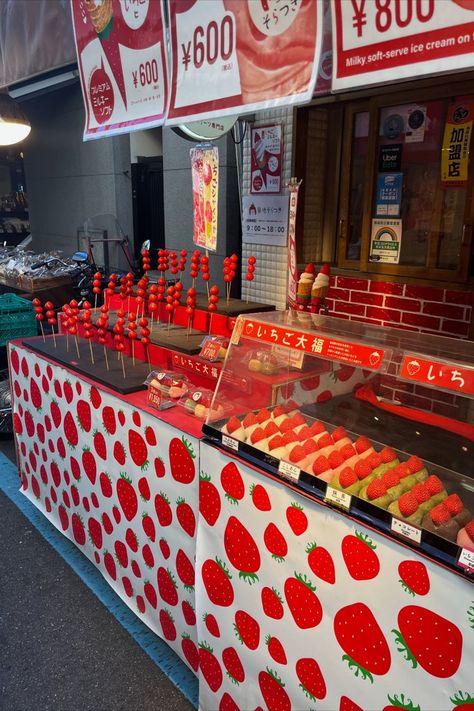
<point>231,56</point>
<point>385,40</point>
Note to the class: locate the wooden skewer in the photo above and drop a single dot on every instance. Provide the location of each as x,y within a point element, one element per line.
<point>92,353</point>
<point>77,347</point>
<point>106,358</point>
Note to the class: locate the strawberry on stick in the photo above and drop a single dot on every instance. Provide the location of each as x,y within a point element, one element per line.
<point>250,273</point>
<point>182,260</point>
<point>88,327</point>
<point>153,305</point>
<point>39,315</point>
<point>205,271</point>
<point>96,287</point>
<point>132,332</point>
<point>102,329</point>
<point>111,286</point>
<point>190,307</point>
<point>146,266</point>
<point>51,318</point>
<point>73,323</point>
<point>145,337</point>
<point>169,304</point>
<point>212,305</point>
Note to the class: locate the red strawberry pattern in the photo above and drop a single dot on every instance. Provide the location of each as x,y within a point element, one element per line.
<point>181,456</point>
<point>365,648</point>
<point>242,550</point>
<point>360,557</point>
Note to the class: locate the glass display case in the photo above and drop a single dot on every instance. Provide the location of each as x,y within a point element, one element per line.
<point>379,422</point>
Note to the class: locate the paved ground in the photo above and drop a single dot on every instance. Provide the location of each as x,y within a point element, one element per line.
<point>60,648</point>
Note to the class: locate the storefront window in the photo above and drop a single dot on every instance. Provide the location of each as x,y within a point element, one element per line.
<point>357,182</point>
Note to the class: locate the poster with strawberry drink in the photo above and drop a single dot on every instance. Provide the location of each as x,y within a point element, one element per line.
<point>378,42</point>
<point>205,185</point>
<point>298,607</point>
<point>120,484</point>
<point>122,61</point>
<point>230,57</point>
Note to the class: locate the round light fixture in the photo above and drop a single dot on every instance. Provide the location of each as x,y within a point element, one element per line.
<point>14,126</point>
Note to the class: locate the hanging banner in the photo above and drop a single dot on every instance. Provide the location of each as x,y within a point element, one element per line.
<point>294,187</point>
<point>376,42</point>
<point>205,177</point>
<point>121,56</point>
<point>456,144</point>
<point>237,56</point>
<point>266,153</point>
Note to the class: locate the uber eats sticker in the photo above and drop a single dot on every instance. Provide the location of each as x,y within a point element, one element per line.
<point>385,241</point>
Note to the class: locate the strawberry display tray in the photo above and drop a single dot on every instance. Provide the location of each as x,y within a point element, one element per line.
<point>437,548</point>
<point>112,378</point>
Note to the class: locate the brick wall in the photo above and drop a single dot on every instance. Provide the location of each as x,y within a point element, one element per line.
<point>414,308</point>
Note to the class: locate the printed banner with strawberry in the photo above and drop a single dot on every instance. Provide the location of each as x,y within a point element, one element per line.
<point>298,607</point>
<point>121,484</point>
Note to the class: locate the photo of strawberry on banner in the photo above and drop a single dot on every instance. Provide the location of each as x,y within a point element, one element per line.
<point>231,56</point>
<point>122,63</point>
<point>205,181</point>
<point>311,610</point>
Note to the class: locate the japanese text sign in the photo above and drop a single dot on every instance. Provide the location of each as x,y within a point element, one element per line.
<point>376,41</point>
<point>456,144</point>
<point>205,183</point>
<point>265,219</point>
<point>441,375</point>
<point>234,56</point>
<point>331,348</point>
<point>121,56</point>
<point>182,361</point>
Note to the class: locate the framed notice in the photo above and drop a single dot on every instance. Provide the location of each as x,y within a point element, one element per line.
<point>379,42</point>
<point>266,154</point>
<point>389,194</point>
<point>265,219</point>
<point>234,56</point>
<point>385,241</point>
<point>121,56</point>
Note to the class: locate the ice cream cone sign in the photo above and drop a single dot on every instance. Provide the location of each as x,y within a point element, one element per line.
<point>305,283</point>
<point>320,288</point>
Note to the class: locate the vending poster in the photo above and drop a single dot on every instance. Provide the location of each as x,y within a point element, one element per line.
<point>122,62</point>
<point>378,42</point>
<point>266,156</point>
<point>389,194</point>
<point>385,241</point>
<point>456,144</point>
<point>232,57</point>
<point>205,183</point>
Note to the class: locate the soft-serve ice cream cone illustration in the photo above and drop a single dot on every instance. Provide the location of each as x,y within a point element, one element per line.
<point>102,17</point>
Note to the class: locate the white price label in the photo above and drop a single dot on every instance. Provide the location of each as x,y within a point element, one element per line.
<point>289,470</point>
<point>466,559</point>
<point>406,530</point>
<point>338,498</point>
<point>230,442</point>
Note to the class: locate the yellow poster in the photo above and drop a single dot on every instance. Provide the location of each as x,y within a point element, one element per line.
<point>456,143</point>
<point>205,179</point>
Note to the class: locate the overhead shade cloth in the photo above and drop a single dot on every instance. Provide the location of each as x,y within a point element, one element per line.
<point>35,37</point>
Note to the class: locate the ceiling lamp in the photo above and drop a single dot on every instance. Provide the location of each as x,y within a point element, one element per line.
<point>14,126</point>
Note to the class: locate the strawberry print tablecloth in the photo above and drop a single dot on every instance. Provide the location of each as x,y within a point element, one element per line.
<point>117,481</point>
<point>298,607</point>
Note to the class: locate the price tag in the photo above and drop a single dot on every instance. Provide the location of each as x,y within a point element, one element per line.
<point>406,530</point>
<point>466,559</point>
<point>289,470</point>
<point>338,498</point>
<point>230,442</point>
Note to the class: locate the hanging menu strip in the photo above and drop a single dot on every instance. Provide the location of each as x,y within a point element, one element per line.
<point>440,375</point>
<point>334,349</point>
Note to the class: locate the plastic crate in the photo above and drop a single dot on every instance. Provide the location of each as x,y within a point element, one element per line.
<point>17,318</point>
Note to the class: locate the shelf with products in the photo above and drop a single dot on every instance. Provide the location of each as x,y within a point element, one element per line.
<point>383,428</point>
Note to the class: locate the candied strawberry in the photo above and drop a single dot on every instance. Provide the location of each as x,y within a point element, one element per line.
<point>317,428</point>
<point>290,437</point>
<point>250,420</point>
<point>347,451</point>
<point>362,444</point>
<point>263,416</point>
<point>325,441</point>
<point>421,493</point>
<point>434,484</point>
<point>257,435</point>
<point>338,434</point>
<point>310,446</point>
<point>304,433</point>
<point>391,478</point>
<point>287,425</point>
<point>407,504</point>
<point>440,514</point>
<point>454,504</point>
<point>297,454</point>
<point>362,468</point>
<point>376,489</point>
<point>278,410</point>
<point>335,459</point>
<point>347,477</point>
<point>374,459</point>
<point>402,470</point>
<point>388,455</point>
<point>321,465</point>
<point>298,420</point>
<point>415,464</point>
<point>276,441</point>
<point>233,424</point>
<point>270,429</point>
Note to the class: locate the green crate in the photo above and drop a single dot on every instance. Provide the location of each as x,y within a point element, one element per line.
<point>17,318</point>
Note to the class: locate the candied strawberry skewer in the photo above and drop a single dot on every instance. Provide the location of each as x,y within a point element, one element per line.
<point>153,306</point>
<point>190,307</point>
<point>96,287</point>
<point>102,324</point>
<point>169,308</point>
<point>145,337</point>
<point>205,271</point>
<point>146,265</point>
<point>174,263</point>
<point>132,332</point>
<point>73,320</point>
<point>119,338</point>
<point>212,305</point>
<point>88,326</point>
<point>250,273</point>
<point>51,318</point>
<point>142,288</point>
<point>182,260</point>
<point>111,286</point>
<point>195,259</point>
<point>39,311</point>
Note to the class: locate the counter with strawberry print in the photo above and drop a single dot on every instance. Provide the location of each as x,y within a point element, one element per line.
<point>299,607</point>
<point>120,482</point>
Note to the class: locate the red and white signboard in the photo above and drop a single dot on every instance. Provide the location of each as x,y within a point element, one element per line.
<point>121,56</point>
<point>384,40</point>
<point>236,56</point>
<point>440,375</point>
